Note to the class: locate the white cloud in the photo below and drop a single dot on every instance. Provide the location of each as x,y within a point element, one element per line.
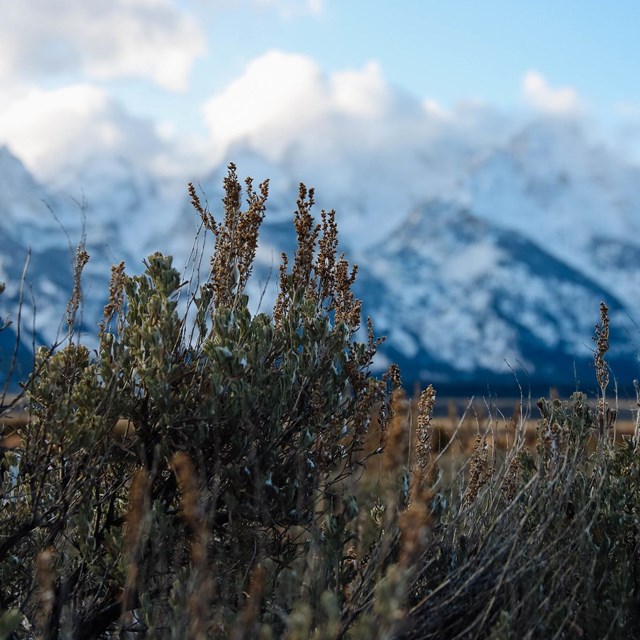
<point>435,109</point>
<point>315,6</point>
<point>120,38</point>
<point>275,98</point>
<point>280,95</point>
<point>51,129</point>
<point>361,93</point>
<point>553,100</point>
<point>284,103</point>
<point>345,131</point>
<point>285,99</point>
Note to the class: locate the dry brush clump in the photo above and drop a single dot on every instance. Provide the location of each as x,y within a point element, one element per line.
<point>267,485</point>
<point>229,507</point>
<point>546,543</point>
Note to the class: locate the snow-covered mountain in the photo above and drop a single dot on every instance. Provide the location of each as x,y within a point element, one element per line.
<point>465,299</point>
<point>481,261</point>
<point>577,200</point>
<point>39,232</point>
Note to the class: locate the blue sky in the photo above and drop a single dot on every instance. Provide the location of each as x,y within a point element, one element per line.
<point>445,51</point>
<point>455,50</point>
<point>78,73</point>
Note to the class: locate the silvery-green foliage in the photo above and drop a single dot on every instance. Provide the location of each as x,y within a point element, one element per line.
<point>272,416</point>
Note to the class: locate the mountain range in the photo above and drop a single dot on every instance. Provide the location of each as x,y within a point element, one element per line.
<point>484,265</point>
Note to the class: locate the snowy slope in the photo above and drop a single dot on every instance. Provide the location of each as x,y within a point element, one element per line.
<point>39,232</point>
<point>578,200</point>
<point>465,298</point>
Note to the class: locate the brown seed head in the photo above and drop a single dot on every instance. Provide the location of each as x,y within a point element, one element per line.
<point>479,471</point>
<point>425,412</point>
<point>601,339</point>
<point>116,294</point>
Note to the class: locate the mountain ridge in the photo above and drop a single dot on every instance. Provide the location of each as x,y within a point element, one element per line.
<point>502,274</point>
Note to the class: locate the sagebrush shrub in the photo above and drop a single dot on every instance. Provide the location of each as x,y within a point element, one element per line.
<point>237,468</point>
